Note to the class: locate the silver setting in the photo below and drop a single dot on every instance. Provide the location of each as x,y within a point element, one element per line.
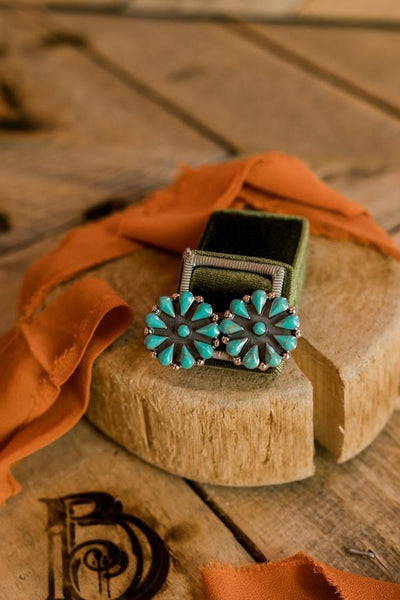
<point>191,260</point>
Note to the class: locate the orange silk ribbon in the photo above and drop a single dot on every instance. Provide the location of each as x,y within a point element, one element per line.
<point>297,578</point>
<point>46,360</point>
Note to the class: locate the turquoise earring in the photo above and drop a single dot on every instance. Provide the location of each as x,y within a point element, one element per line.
<point>182,331</point>
<point>260,330</point>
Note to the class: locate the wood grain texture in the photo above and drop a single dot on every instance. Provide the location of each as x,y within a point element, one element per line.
<point>350,350</point>
<point>239,8</point>
<point>233,428</point>
<point>258,100</point>
<point>365,9</point>
<point>356,504</point>
<point>364,57</point>
<point>77,157</point>
<point>82,461</point>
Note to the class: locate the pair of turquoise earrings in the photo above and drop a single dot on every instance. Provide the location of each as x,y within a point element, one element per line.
<point>257,332</point>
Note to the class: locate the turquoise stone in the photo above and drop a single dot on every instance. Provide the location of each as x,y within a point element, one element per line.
<point>278,305</point>
<point>153,341</point>
<point>239,308</point>
<point>259,328</point>
<point>272,358</point>
<point>288,342</point>
<point>234,347</point>
<point>252,359</point>
<point>211,330</point>
<point>186,300</point>
<point>290,322</point>
<point>228,327</point>
<point>187,359</point>
<point>205,350</point>
<point>165,357</point>
<point>184,331</point>
<point>259,298</point>
<point>203,311</point>
<point>165,304</point>
<point>154,321</point>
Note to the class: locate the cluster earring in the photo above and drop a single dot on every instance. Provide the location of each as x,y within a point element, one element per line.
<point>259,331</point>
<point>182,331</point>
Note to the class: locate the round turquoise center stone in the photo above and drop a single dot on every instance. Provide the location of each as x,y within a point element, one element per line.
<point>183,331</point>
<point>259,328</point>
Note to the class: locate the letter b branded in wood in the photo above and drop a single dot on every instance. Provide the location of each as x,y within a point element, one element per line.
<point>98,552</point>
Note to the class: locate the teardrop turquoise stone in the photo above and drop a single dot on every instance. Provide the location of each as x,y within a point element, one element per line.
<point>272,358</point>
<point>278,305</point>
<point>211,330</point>
<point>154,321</point>
<point>252,358</point>
<point>228,327</point>
<point>165,304</point>
<point>288,342</point>
<point>203,311</point>
<point>205,350</point>
<point>234,347</point>
<point>259,298</point>
<point>239,308</point>
<point>153,341</point>
<point>165,357</point>
<point>290,322</point>
<point>186,300</point>
<point>187,359</point>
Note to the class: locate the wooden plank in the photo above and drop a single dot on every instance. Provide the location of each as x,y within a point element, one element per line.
<point>239,8</point>
<point>364,9</point>
<point>367,58</point>
<point>84,461</point>
<point>258,100</point>
<point>351,505</point>
<point>95,136</point>
<point>175,8</point>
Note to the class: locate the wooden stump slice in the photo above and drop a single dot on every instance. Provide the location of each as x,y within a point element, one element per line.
<point>234,427</point>
<point>208,424</point>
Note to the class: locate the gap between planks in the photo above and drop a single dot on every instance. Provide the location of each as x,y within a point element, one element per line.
<point>270,45</point>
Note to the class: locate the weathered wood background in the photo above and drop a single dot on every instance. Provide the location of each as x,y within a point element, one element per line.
<point>99,101</point>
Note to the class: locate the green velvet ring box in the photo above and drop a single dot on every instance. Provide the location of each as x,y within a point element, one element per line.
<point>241,251</point>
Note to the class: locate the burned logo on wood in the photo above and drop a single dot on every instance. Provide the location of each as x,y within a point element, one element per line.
<point>98,552</point>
